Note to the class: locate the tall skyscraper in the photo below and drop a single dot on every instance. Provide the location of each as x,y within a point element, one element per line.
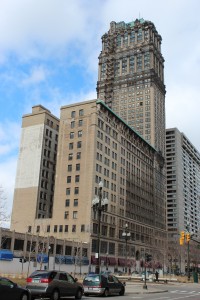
<point>183,183</point>
<point>183,197</point>
<point>131,78</point>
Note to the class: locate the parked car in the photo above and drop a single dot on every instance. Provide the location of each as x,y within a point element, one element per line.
<point>11,290</point>
<point>119,273</point>
<point>149,274</point>
<point>102,285</point>
<point>53,285</point>
<point>135,274</point>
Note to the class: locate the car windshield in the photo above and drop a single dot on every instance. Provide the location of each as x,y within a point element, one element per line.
<point>91,280</point>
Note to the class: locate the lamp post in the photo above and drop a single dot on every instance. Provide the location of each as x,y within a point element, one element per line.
<point>99,205</point>
<point>126,234</point>
<point>188,237</point>
<point>49,248</point>
<point>107,261</point>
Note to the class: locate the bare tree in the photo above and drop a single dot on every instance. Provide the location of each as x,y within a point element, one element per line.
<point>4,216</point>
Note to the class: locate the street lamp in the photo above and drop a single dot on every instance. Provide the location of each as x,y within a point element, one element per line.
<point>188,237</point>
<point>99,205</point>
<point>49,248</point>
<point>126,234</point>
<point>107,261</point>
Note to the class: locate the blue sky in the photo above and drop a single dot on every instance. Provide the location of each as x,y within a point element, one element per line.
<point>49,55</point>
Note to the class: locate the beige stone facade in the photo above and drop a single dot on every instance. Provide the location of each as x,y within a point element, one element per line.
<point>35,178</point>
<point>95,144</point>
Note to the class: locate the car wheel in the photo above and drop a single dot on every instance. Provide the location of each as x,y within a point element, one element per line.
<point>55,295</point>
<point>106,293</point>
<point>24,296</point>
<point>121,293</point>
<point>79,294</point>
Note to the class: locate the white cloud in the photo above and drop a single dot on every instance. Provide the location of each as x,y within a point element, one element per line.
<point>58,100</point>
<point>7,179</point>
<point>37,75</point>
<point>9,137</point>
<point>182,111</point>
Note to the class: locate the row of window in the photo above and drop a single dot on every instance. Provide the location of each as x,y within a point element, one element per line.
<point>59,228</point>
<point>80,113</point>
<point>78,145</point>
<point>71,155</point>
<point>79,134</point>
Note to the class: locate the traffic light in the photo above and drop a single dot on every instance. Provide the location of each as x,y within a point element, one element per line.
<point>20,260</point>
<point>182,235</point>
<point>182,238</point>
<point>187,237</point>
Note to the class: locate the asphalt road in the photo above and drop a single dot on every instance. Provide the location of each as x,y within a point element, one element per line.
<point>177,291</point>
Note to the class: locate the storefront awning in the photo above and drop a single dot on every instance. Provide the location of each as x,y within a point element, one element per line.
<point>42,258</point>
<point>85,261</point>
<point>60,259</point>
<point>6,254</point>
<point>69,260</point>
<point>121,262</point>
<point>111,261</point>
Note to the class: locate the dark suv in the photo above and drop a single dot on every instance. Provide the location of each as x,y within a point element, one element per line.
<point>104,285</point>
<point>53,285</point>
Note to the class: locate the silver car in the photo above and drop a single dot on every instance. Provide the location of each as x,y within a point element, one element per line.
<point>104,285</point>
<point>53,285</point>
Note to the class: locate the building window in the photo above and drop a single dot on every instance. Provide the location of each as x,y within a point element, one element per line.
<point>48,228</point>
<point>29,228</point>
<point>83,228</point>
<point>72,124</point>
<point>75,214</point>
<point>76,190</point>
<point>73,228</point>
<point>78,167</point>
<point>68,191</point>
<point>55,228</point>
<point>80,123</point>
<point>79,144</point>
<point>70,156</point>
<point>60,228</point>
<point>68,179</point>
<point>80,133</point>
<point>81,112</point>
<point>75,202</point>
<point>66,215</point>
<point>67,202</point>
<point>77,178</point>
<point>71,145</point>
<point>73,113</point>
<point>78,155</point>
<point>66,228</point>
<point>71,135</point>
<point>69,168</point>
<point>38,229</point>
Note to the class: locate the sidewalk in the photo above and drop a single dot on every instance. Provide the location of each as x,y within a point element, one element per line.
<point>137,288</point>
